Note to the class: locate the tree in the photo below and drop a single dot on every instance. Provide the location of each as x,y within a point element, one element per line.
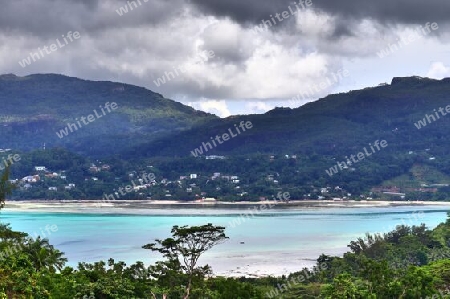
<point>186,246</point>
<point>417,283</point>
<point>44,255</point>
<point>343,286</point>
<point>5,186</point>
<point>18,278</point>
<point>7,235</point>
<point>96,281</point>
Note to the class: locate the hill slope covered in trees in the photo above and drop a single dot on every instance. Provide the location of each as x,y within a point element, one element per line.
<point>301,151</point>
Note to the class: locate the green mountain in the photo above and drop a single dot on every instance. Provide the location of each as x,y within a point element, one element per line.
<point>327,132</point>
<point>37,107</point>
<point>303,151</point>
<point>342,122</point>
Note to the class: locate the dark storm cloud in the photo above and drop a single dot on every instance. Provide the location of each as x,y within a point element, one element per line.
<point>342,28</point>
<point>383,11</point>
<point>45,18</point>
<point>159,35</point>
<point>387,11</point>
<point>42,17</point>
<point>49,17</point>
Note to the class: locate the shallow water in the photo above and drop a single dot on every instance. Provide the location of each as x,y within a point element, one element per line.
<point>275,241</point>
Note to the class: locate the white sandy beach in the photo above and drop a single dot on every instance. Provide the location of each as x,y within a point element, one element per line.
<point>124,205</point>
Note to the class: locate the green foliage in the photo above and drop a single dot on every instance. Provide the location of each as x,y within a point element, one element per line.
<point>368,272</point>
<point>5,186</point>
<point>224,288</point>
<point>43,255</point>
<point>343,286</point>
<point>183,250</point>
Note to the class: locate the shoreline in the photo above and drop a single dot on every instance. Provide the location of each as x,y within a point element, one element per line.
<point>225,203</point>
<point>140,206</point>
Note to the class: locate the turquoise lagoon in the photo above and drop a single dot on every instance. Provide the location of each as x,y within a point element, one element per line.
<point>275,242</point>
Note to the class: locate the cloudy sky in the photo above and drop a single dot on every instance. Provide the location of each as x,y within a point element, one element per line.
<point>222,59</point>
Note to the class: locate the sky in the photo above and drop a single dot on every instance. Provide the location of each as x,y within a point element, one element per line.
<point>229,57</point>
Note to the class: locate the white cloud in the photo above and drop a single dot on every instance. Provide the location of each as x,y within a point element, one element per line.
<point>312,23</point>
<point>438,70</point>
<point>258,68</point>
<point>219,108</point>
<point>258,107</point>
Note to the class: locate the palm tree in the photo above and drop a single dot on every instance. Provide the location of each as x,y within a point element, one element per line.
<point>56,260</point>
<point>44,255</point>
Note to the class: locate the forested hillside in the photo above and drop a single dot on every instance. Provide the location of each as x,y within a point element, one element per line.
<point>304,151</point>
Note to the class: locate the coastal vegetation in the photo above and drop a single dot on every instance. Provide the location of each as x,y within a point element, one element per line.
<point>409,262</point>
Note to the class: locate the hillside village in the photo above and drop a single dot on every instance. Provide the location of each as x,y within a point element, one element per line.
<point>108,181</point>
<point>58,184</point>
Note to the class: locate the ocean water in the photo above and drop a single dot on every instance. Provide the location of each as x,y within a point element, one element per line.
<point>277,241</point>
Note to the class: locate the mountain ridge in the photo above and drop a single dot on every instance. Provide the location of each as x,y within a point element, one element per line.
<point>297,145</point>
<point>390,107</point>
<point>46,103</point>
